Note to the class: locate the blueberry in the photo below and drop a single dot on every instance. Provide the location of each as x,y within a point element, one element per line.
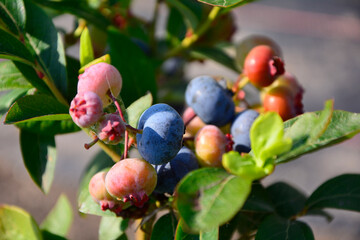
<point>169,174</point>
<point>161,139</point>
<point>210,101</point>
<point>240,130</point>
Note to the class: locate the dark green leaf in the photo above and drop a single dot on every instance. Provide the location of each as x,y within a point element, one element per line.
<point>31,76</point>
<point>112,228</point>
<point>11,77</point>
<point>36,108</point>
<point>277,228</point>
<point>189,16</point>
<point>215,54</point>
<point>342,192</point>
<point>135,67</point>
<point>50,236</point>
<point>7,99</point>
<point>59,220</point>
<point>305,131</point>
<point>79,8</point>
<point>212,234</point>
<point>182,234</point>
<point>135,110</point>
<point>176,28</point>
<point>72,68</point>
<point>203,193</point>
<point>258,200</point>
<point>85,202</point>
<point>86,49</point>
<point>12,13</point>
<point>39,155</point>
<point>11,48</point>
<point>164,228</point>
<point>288,200</point>
<point>226,3</point>
<point>47,44</point>
<point>48,127</point>
<point>15,223</point>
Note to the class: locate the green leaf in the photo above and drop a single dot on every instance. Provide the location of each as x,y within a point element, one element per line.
<point>36,108</point>
<point>203,193</point>
<point>226,3</point>
<point>72,69</point>
<point>11,77</point>
<point>58,221</point>
<point>267,138</point>
<point>212,234</point>
<point>13,14</point>
<point>86,50</point>
<point>135,110</point>
<point>39,155</point>
<point>15,223</point>
<point>136,69</point>
<point>7,99</point>
<point>164,228</point>
<point>215,54</point>
<point>106,59</point>
<point>277,228</point>
<point>242,165</point>
<point>189,16</point>
<point>112,228</point>
<point>341,192</point>
<point>344,125</point>
<point>11,48</point>
<point>85,202</point>
<point>259,200</point>
<point>47,44</point>
<point>288,200</point>
<point>306,130</point>
<point>79,8</point>
<point>31,76</point>
<point>48,127</point>
<point>182,234</point>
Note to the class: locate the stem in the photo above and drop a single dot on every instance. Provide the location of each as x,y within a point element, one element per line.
<point>126,144</point>
<point>51,85</point>
<point>188,41</point>
<point>111,153</point>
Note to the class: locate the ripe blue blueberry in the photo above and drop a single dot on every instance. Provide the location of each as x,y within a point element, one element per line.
<point>211,102</point>
<point>169,174</point>
<point>161,139</point>
<point>240,130</point>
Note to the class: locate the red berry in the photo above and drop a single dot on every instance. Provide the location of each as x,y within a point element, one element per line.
<point>131,179</point>
<point>262,66</point>
<point>210,145</point>
<point>98,192</point>
<point>280,100</point>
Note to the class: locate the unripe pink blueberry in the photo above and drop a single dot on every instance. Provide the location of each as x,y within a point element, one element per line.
<point>195,124</point>
<point>210,145</point>
<point>111,129</point>
<point>101,78</point>
<point>86,109</point>
<point>98,192</point>
<point>131,179</point>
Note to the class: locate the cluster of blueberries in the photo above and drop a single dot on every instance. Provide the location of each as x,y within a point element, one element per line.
<point>171,146</point>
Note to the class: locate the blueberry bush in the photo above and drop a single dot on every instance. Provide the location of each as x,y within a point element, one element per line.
<point>187,157</point>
